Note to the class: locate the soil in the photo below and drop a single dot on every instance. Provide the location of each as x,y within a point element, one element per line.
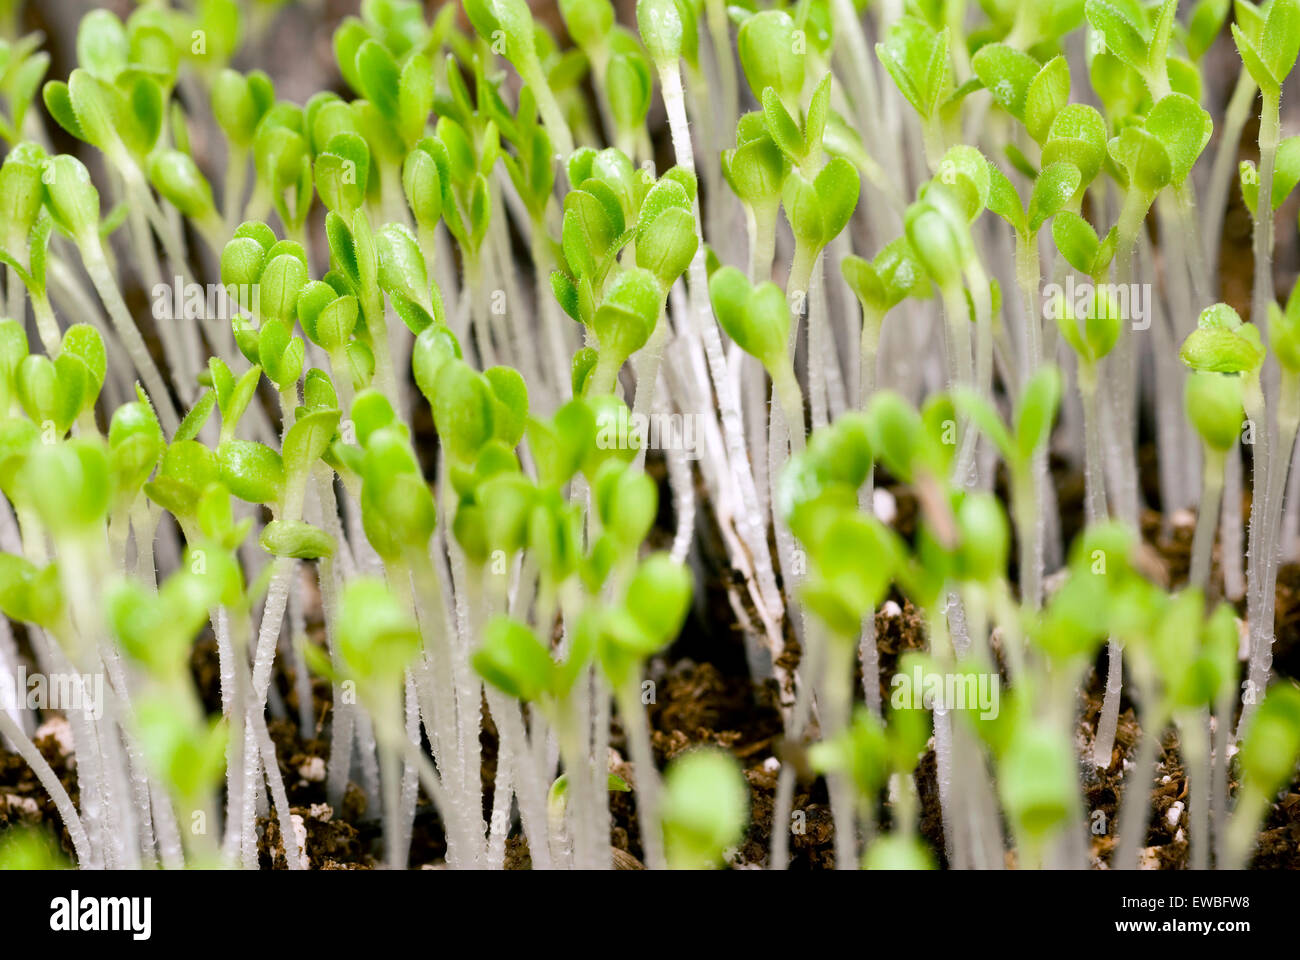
<point>704,695</point>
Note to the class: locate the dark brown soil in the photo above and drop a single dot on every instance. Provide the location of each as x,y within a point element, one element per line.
<point>703,695</point>
<point>703,691</point>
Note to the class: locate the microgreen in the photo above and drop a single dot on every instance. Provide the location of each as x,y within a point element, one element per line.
<point>508,399</point>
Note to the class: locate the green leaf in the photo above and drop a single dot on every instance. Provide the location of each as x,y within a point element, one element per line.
<point>666,247</point>
<point>1204,24</point>
<point>662,27</point>
<point>624,321</point>
<point>463,410</point>
<point>938,246</point>
<point>71,197</point>
<point>422,182</point>
<point>966,174</point>
<point>1222,343</point>
<point>377,636</point>
<point>1036,411</point>
<point>767,45</point>
<point>981,412</point>
<point>49,394</point>
<point>1254,62</point>
<point>1046,97</point>
<point>627,501</point>
<point>84,341</point>
<point>916,56</point>
<point>102,45</point>
<point>379,77</point>
<point>306,441</point>
<point>1286,175</point>
<point>836,190</point>
<point>513,660</point>
<point>984,538</point>
<point>1123,38</point>
<point>28,593</point>
<point>597,224</point>
<point>782,127</point>
<point>1145,158</point>
<point>1213,404</point>
<point>301,541</point>
<point>588,21</point>
<point>414,98</point>
<point>1279,40</point>
<point>511,411</point>
<point>1052,191</point>
<point>342,173</point>
<point>1036,777</point>
<point>1272,740</point>
<point>1005,201</point>
<point>1007,74</point>
<point>1221,351</point>
<point>898,436</point>
<point>629,86</point>
<point>818,112</point>
<point>68,485</point>
<point>1076,240</point>
<point>253,471</point>
<point>197,417</point>
<point>1077,136</point>
<point>658,597</point>
<point>757,319</point>
<point>58,100</point>
<point>176,176</point>
<point>863,279</point>
<point>705,808</point>
<point>1184,128</point>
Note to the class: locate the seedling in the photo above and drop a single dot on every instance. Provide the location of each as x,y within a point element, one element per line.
<point>505,409</point>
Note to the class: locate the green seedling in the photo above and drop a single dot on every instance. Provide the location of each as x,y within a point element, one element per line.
<point>1268,758</point>
<point>881,285</point>
<point>482,566</point>
<point>916,56</point>
<point>1141,45</point>
<point>705,809</point>
<point>512,21</point>
<point>1020,446</point>
<point>758,320</point>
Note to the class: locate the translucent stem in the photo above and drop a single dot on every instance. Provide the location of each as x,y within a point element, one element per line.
<point>749,523</point>
<point>1207,519</point>
<point>632,712</point>
<point>1135,804</point>
<point>1224,171</point>
<point>101,275</point>
<point>50,781</point>
<point>1195,736</point>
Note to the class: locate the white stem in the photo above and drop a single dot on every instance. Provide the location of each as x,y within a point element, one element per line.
<point>50,781</point>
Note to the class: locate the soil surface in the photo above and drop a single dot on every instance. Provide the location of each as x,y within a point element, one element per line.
<point>705,695</point>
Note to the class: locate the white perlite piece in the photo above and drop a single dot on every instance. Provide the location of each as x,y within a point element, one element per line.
<point>1150,859</point>
<point>60,730</point>
<point>884,505</point>
<point>299,832</point>
<point>25,805</point>
<point>313,770</point>
<point>1174,813</point>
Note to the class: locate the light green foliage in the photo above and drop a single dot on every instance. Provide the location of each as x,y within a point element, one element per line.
<point>705,808</point>
<point>482,497</point>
